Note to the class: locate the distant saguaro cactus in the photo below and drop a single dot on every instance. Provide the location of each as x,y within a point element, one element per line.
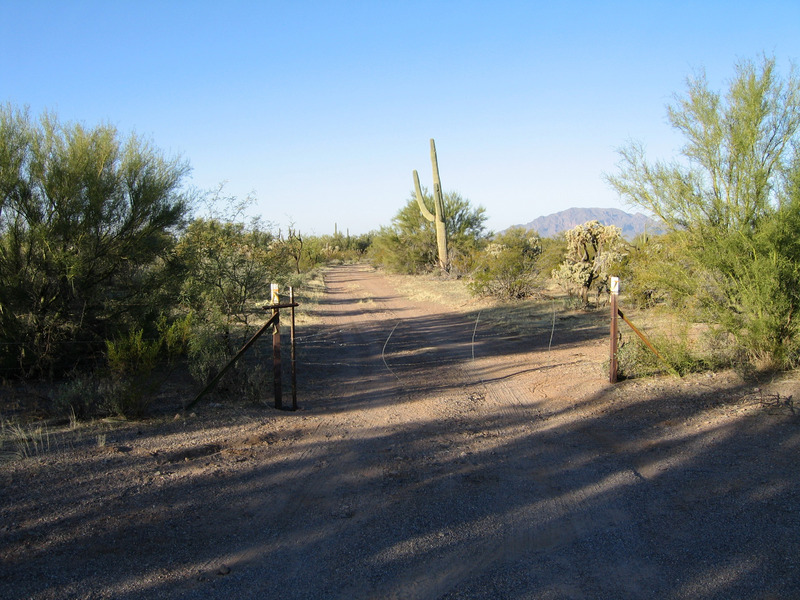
<point>438,204</point>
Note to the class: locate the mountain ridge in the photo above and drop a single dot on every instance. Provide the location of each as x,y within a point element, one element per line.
<point>631,225</point>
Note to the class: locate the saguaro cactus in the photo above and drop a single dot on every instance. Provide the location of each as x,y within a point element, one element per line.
<point>438,204</point>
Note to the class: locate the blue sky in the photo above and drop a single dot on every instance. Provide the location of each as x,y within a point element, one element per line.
<point>323,109</point>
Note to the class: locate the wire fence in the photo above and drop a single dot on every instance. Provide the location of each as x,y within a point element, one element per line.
<point>657,340</point>
<point>678,340</point>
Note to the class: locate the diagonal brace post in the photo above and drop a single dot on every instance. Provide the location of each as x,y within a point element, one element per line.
<point>211,384</point>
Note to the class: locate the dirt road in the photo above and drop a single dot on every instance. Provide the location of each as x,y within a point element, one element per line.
<point>435,456</point>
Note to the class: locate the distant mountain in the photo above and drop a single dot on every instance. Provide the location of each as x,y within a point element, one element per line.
<point>630,224</point>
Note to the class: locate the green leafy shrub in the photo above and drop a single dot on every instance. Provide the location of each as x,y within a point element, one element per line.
<point>733,202</point>
<point>132,355</point>
<point>87,228</point>
<point>409,244</point>
<point>229,268</point>
<point>137,366</point>
<point>507,267</point>
<point>129,390</point>
<point>682,350</point>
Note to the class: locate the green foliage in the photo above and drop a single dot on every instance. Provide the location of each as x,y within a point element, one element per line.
<point>656,271</point>
<point>132,355</point>
<point>682,352</point>
<point>593,252</point>
<point>78,398</point>
<point>250,379</point>
<point>336,248</point>
<point>733,205</point>
<point>507,266</point>
<point>130,360</point>
<point>135,365</point>
<point>87,223</point>
<point>753,290</point>
<point>176,336</point>
<point>229,268</point>
<point>635,359</point>
<point>208,352</point>
<point>409,244</point>
<point>554,249</point>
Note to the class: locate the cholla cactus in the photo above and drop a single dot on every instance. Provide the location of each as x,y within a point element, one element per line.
<point>592,249</point>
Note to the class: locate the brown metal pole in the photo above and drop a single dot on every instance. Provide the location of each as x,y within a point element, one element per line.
<point>294,357</point>
<point>276,358</point>
<point>613,366</point>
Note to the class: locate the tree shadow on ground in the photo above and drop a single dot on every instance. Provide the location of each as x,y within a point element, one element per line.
<point>551,498</point>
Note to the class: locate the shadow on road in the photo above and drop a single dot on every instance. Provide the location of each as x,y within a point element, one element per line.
<point>635,491</point>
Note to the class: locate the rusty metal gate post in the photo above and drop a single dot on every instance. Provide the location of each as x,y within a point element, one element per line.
<point>294,359</point>
<point>276,347</point>
<point>614,287</point>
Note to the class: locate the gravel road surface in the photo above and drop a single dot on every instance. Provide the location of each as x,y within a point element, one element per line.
<point>435,456</point>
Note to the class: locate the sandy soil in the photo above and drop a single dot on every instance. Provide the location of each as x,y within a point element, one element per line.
<point>434,456</point>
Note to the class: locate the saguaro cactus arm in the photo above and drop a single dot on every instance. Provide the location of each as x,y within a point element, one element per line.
<point>438,200</point>
<point>420,199</point>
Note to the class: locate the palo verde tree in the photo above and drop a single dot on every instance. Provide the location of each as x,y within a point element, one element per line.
<point>87,224</point>
<point>732,202</point>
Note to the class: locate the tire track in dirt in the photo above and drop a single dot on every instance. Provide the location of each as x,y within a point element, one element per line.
<point>433,456</point>
<point>441,458</point>
<point>362,405</point>
<point>506,400</point>
<point>424,347</point>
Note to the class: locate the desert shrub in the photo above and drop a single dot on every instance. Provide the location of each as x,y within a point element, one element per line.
<point>733,201</point>
<point>78,398</point>
<point>635,359</point>
<point>656,272</point>
<point>131,355</point>
<point>307,252</point>
<point>409,244</point>
<point>229,268</point>
<point>250,379</point>
<point>507,266</point>
<point>684,346</point>
<point>136,367</point>
<point>554,249</point>
<point>128,390</point>
<point>176,336</point>
<point>207,353</point>
<point>87,227</point>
